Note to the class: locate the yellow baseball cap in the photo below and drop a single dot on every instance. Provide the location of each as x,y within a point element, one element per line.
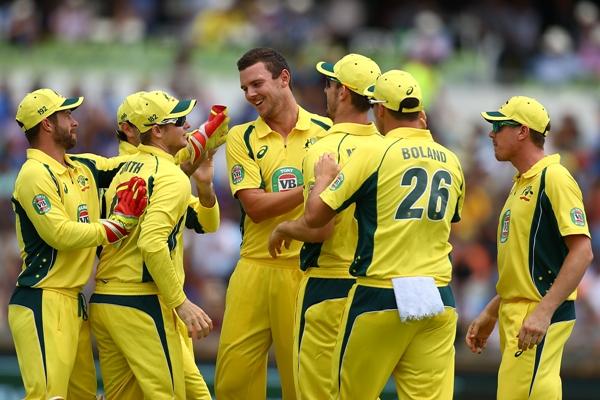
<point>127,107</point>
<point>392,88</point>
<point>40,104</point>
<point>354,71</point>
<point>524,110</point>
<point>158,107</point>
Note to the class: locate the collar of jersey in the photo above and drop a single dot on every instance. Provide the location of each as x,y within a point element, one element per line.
<point>410,133</point>
<point>354,129</point>
<point>44,158</point>
<point>156,151</point>
<point>126,148</point>
<point>302,124</point>
<point>539,166</point>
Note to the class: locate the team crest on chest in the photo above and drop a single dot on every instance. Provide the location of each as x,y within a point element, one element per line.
<point>83,214</point>
<point>286,178</point>
<point>83,183</point>
<point>310,142</point>
<point>505,227</point>
<point>577,216</point>
<point>526,193</point>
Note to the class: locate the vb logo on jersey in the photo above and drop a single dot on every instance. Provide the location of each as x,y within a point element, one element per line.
<point>577,216</point>
<point>82,214</point>
<point>41,204</point>
<point>505,227</point>
<point>285,179</point>
<point>237,174</point>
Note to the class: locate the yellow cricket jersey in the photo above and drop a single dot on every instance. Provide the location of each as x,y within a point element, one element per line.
<point>337,251</point>
<point>126,148</point>
<point>201,219</point>
<point>149,260</point>
<point>407,190</point>
<point>260,158</point>
<point>57,212</point>
<point>544,204</point>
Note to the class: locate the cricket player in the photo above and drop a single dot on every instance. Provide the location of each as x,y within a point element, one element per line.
<point>264,157</point>
<point>202,215</point>
<point>326,258</point>
<point>544,248</point>
<point>399,318</point>
<point>58,228</point>
<point>139,295</point>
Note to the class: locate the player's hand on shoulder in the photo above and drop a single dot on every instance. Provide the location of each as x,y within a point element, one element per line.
<point>198,323</point>
<point>327,167</point>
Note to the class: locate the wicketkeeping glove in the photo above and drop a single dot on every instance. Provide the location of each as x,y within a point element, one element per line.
<point>131,203</point>
<point>210,135</point>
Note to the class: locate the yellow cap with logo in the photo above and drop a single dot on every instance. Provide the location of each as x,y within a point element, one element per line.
<point>40,104</point>
<point>156,108</point>
<point>127,107</point>
<point>354,71</point>
<point>524,110</point>
<point>392,89</point>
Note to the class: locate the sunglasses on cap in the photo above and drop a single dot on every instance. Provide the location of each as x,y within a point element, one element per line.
<point>498,125</point>
<point>329,79</point>
<point>179,122</point>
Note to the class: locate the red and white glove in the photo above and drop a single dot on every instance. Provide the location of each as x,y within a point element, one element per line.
<point>210,135</point>
<point>131,203</point>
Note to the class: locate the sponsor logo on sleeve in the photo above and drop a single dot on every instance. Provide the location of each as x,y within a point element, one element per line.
<point>237,174</point>
<point>286,178</point>
<point>41,204</point>
<point>577,216</point>
<point>505,227</point>
<point>337,182</point>
<point>82,214</point>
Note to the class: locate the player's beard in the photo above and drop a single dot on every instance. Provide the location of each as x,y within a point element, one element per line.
<point>331,108</point>
<point>64,138</point>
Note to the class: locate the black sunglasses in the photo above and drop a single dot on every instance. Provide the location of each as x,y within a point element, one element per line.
<point>329,79</point>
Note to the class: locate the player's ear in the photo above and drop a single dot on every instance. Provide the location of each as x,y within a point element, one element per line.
<point>423,119</point>
<point>524,132</point>
<point>156,131</point>
<point>285,78</point>
<point>379,110</point>
<point>343,92</point>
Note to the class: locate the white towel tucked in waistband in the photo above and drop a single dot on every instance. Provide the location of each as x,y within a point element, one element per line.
<point>417,297</point>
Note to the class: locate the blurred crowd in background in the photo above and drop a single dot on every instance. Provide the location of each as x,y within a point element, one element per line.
<point>516,47</point>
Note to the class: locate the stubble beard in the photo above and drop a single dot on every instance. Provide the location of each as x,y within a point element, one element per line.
<point>64,138</point>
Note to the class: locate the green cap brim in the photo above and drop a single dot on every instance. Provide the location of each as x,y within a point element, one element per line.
<point>370,91</point>
<point>494,116</point>
<point>184,107</point>
<point>326,69</point>
<point>71,103</point>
